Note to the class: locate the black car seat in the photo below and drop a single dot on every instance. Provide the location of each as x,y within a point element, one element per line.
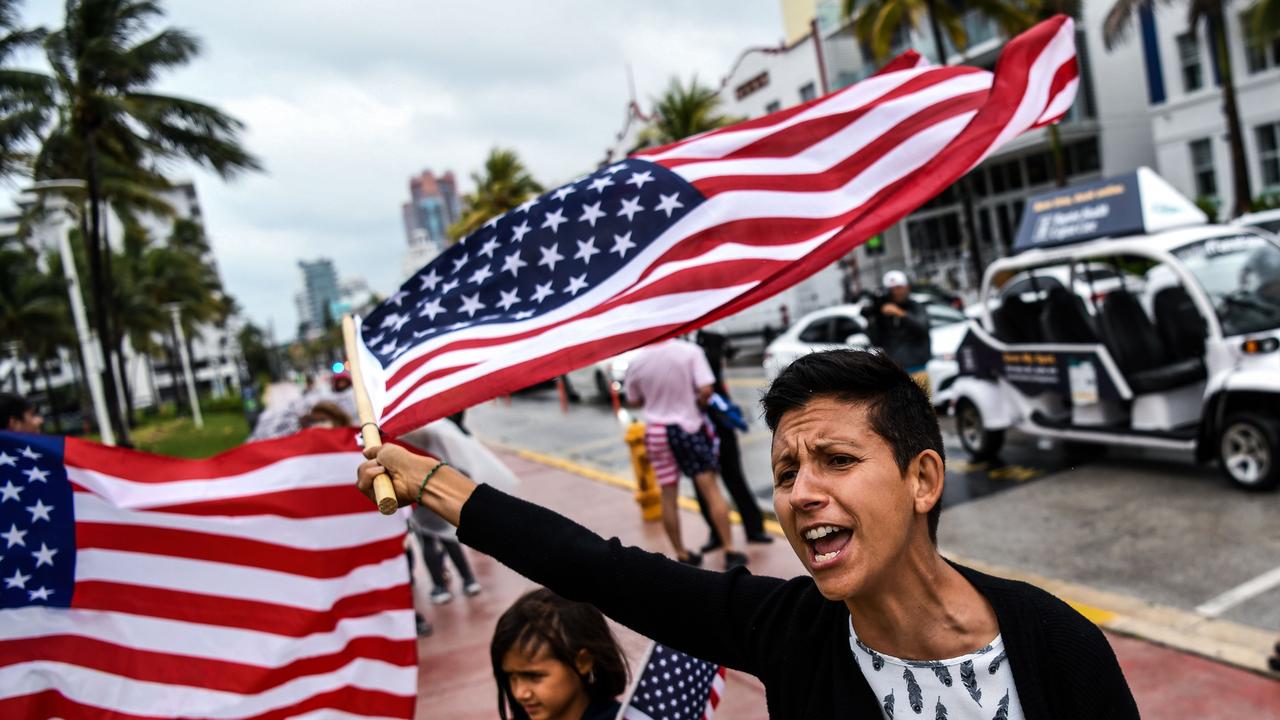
<point>1018,320</point>
<point>1180,324</point>
<point>1139,352</point>
<point>1064,318</point>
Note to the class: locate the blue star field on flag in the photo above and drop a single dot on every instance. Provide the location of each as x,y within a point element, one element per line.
<point>672,686</point>
<point>535,258</point>
<point>37,523</point>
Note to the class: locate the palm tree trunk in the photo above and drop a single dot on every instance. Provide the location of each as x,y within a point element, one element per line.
<point>48,393</point>
<point>98,285</point>
<point>174,382</point>
<point>1059,159</point>
<point>1240,186</point>
<point>936,28</point>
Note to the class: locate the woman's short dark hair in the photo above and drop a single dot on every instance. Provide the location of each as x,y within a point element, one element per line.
<point>897,409</point>
<point>540,618</point>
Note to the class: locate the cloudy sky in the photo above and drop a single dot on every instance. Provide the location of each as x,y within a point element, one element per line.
<point>345,100</point>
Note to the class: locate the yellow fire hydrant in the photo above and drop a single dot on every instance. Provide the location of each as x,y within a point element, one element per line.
<point>646,481</point>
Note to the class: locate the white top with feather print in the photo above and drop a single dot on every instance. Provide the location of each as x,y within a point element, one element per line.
<point>977,686</point>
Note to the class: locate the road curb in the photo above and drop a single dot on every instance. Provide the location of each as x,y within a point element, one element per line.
<point>1227,642</point>
<point>1224,641</point>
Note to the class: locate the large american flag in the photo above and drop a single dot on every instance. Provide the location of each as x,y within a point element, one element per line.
<point>679,236</point>
<point>674,686</point>
<point>254,584</point>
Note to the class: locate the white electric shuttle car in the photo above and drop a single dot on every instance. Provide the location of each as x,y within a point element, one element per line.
<point>1183,354</point>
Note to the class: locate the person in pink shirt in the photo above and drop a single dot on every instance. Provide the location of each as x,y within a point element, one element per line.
<point>673,381</point>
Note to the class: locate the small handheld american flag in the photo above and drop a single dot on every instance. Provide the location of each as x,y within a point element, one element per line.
<point>679,236</point>
<point>674,686</point>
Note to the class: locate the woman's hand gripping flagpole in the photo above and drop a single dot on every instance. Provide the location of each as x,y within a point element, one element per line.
<point>384,493</point>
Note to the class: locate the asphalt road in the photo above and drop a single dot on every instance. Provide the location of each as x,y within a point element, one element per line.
<point>1151,526</point>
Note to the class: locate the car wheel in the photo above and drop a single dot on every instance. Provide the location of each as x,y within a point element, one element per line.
<point>977,440</point>
<point>1249,451</point>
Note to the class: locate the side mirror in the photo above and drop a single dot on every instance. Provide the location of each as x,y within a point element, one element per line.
<point>859,340</point>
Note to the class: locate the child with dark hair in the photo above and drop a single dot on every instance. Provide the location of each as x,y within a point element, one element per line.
<point>18,414</point>
<point>555,659</point>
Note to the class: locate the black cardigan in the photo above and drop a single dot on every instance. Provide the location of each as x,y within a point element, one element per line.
<point>783,631</point>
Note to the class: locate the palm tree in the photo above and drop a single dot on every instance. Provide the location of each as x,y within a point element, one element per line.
<point>1264,19</point>
<point>876,23</point>
<point>110,124</point>
<point>504,184</point>
<point>32,305</point>
<point>1115,29</point>
<point>682,111</point>
<point>24,95</point>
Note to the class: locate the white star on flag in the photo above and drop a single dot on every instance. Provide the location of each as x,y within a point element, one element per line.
<point>30,454</point>
<point>614,168</point>
<point>35,474</point>
<point>471,305</point>
<point>480,275</point>
<point>563,192</point>
<point>518,232</point>
<point>541,291</point>
<point>459,262</point>
<point>398,297</point>
<point>526,205</point>
<point>601,183</point>
<point>550,256</point>
<point>14,536</point>
<point>576,284</point>
<point>621,244</point>
<point>591,213</point>
<point>640,178</point>
<point>586,249</point>
<point>489,246</point>
<point>17,581</point>
<point>42,594</point>
<point>429,281</point>
<point>630,206</point>
<point>508,299</point>
<point>513,263</point>
<point>393,320</point>
<point>432,309</point>
<point>448,287</point>
<point>668,203</point>
<point>554,219</point>
<point>7,459</point>
<point>44,556</point>
<point>9,491</point>
<point>39,511</point>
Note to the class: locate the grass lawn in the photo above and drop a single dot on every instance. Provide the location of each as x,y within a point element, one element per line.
<point>178,437</point>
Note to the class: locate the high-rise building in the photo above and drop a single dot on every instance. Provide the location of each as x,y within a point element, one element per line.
<point>319,293</point>
<point>432,208</point>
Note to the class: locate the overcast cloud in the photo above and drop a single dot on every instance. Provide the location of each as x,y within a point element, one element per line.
<point>345,100</point>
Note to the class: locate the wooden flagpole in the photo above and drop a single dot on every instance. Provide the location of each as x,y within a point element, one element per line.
<point>382,489</point>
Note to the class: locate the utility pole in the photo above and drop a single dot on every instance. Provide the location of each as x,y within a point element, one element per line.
<point>175,311</point>
<point>89,349</point>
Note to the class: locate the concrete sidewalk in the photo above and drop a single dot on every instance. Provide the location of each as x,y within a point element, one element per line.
<point>455,679</point>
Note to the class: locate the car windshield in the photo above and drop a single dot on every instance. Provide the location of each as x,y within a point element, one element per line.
<point>940,314</point>
<point>1241,273</point>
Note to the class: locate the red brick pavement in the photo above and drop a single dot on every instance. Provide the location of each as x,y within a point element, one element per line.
<point>455,680</point>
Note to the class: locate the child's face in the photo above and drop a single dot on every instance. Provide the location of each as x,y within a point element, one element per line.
<point>546,688</point>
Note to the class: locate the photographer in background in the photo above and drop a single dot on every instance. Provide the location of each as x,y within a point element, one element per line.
<point>900,326</point>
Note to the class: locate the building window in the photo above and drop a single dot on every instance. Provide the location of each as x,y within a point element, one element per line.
<point>1189,61</point>
<point>1202,169</point>
<point>752,85</point>
<point>1038,168</point>
<point>1269,153</point>
<point>1261,54</point>
<point>808,92</point>
<point>772,107</point>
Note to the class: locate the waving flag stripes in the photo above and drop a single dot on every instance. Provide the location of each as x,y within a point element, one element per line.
<point>255,584</point>
<point>682,235</point>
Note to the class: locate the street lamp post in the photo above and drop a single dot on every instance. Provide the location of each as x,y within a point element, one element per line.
<point>89,349</point>
<point>15,351</point>
<point>175,311</point>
